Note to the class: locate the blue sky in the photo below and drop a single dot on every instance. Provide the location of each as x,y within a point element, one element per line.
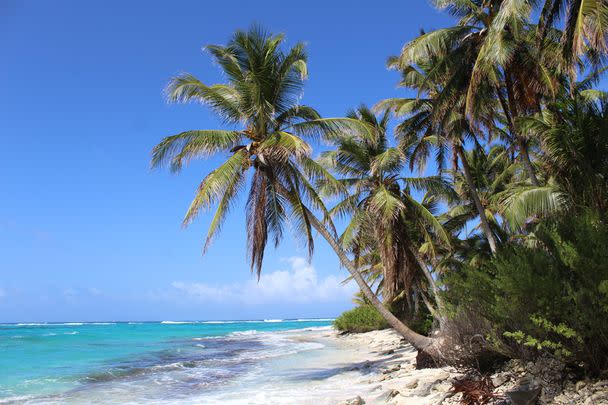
<point>87,230</point>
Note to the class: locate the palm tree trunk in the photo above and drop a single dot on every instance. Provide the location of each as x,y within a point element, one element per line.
<point>480,209</point>
<point>431,308</point>
<point>521,145</point>
<point>418,341</point>
<point>429,277</point>
<point>525,158</point>
<point>424,344</point>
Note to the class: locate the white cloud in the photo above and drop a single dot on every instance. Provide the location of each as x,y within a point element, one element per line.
<point>299,284</point>
<point>70,292</point>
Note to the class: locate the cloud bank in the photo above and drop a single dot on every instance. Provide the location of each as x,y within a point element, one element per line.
<point>299,284</point>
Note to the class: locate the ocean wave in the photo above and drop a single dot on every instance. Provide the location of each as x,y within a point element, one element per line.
<point>315,320</point>
<point>71,333</point>
<point>51,324</point>
<point>177,322</point>
<point>32,324</point>
<point>273,320</point>
<point>309,329</point>
<point>15,399</point>
<point>219,322</point>
<point>244,333</point>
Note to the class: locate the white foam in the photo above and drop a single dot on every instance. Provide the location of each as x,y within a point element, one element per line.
<point>309,329</point>
<point>273,320</point>
<point>18,398</point>
<point>32,324</point>
<point>176,322</point>
<point>71,333</point>
<point>244,333</point>
<point>218,322</point>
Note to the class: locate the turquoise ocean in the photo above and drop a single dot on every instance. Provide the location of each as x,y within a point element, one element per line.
<point>141,362</point>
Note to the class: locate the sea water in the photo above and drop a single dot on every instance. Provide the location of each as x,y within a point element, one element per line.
<point>144,362</point>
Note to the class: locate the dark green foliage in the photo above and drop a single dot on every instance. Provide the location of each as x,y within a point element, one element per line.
<point>547,296</point>
<point>417,317</point>
<point>364,318</point>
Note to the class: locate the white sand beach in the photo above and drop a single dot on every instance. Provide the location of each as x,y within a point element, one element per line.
<point>374,367</point>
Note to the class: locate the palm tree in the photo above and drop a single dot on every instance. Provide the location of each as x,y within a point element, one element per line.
<point>264,85</point>
<point>267,150</point>
<point>491,55</point>
<point>572,133</point>
<point>384,217</point>
<point>493,173</point>
<point>586,27</point>
<point>430,125</point>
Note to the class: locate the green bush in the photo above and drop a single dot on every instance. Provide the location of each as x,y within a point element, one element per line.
<point>548,295</point>
<point>363,318</point>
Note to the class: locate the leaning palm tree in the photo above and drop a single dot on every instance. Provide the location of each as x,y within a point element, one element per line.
<point>383,215</point>
<point>267,151</point>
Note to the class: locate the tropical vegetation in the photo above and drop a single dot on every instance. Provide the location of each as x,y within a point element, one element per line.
<point>504,241</point>
<point>363,318</point>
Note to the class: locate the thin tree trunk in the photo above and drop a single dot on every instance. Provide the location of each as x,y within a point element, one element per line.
<point>523,149</point>
<point>420,342</point>
<point>430,307</point>
<point>485,226</point>
<point>525,158</point>
<point>429,278</point>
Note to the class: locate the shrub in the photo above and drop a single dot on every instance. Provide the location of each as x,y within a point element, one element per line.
<point>363,318</point>
<point>548,295</point>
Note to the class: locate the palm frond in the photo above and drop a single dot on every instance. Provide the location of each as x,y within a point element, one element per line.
<point>529,202</point>
<point>217,184</point>
<point>182,148</point>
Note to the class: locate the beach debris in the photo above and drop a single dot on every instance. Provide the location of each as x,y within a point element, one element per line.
<point>476,390</point>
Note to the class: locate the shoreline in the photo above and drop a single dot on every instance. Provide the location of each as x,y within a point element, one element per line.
<point>314,365</point>
<point>386,374</point>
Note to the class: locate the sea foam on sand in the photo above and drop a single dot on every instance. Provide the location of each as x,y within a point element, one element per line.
<point>375,366</point>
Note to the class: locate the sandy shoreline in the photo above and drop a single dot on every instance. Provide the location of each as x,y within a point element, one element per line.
<point>374,367</point>
<point>384,371</point>
<point>313,366</point>
<point>379,368</point>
